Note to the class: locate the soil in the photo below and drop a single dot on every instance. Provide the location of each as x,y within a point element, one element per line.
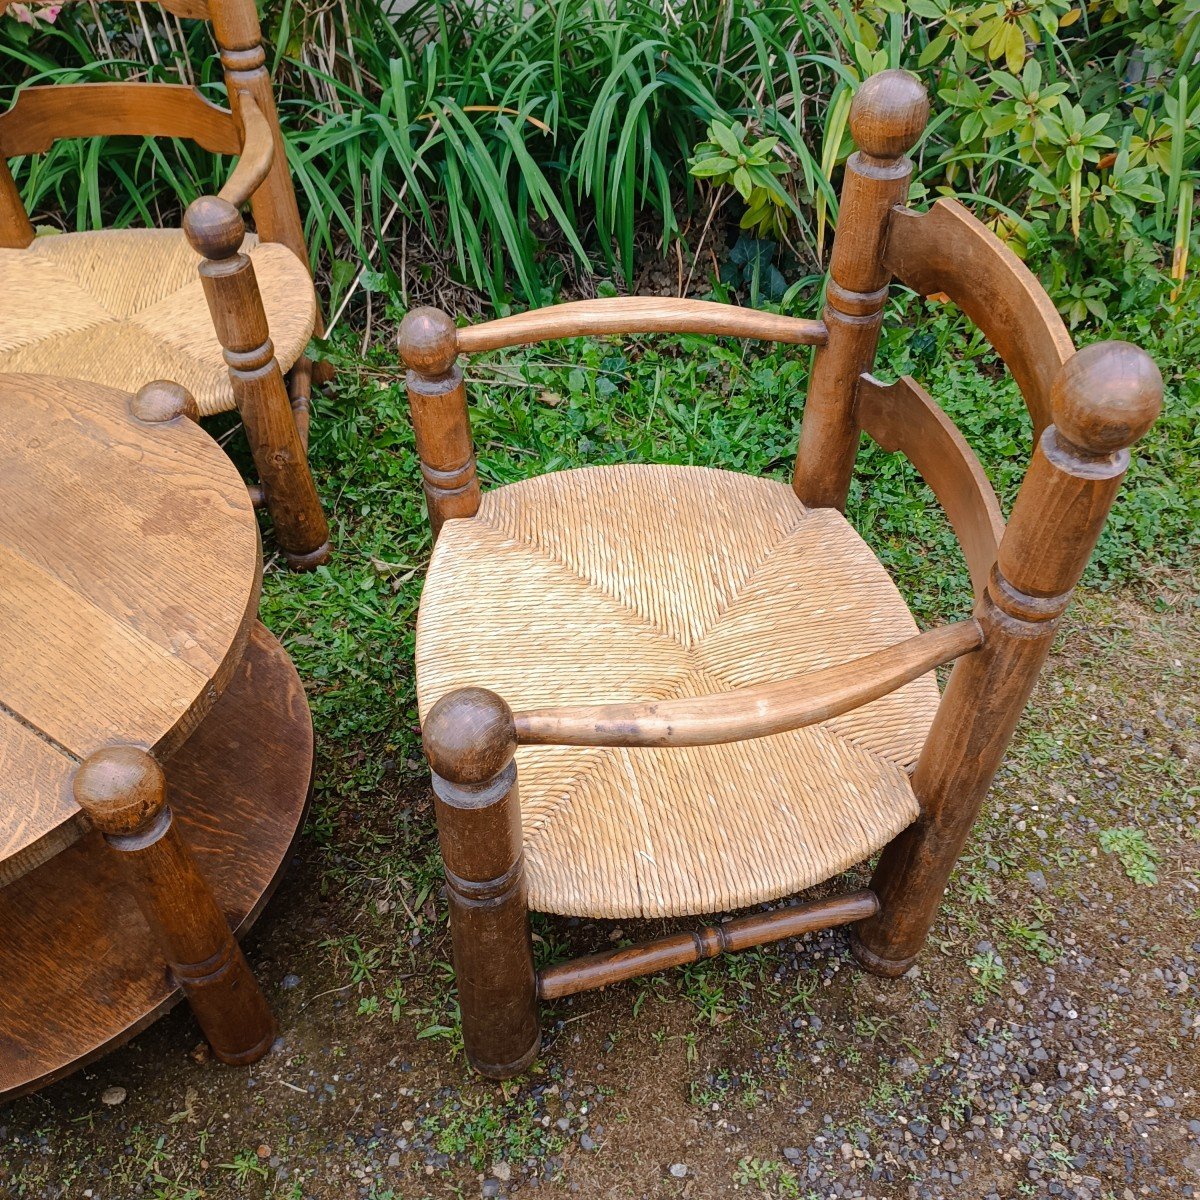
<point>1047,1044</point>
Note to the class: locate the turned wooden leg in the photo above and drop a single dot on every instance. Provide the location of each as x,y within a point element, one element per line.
<point>886,118</point>
<point>123,791</point>
<point>437,400</point>
<point>470,740</point>
<point>1103,400</point>
<point>216,230</point>
<point>299,386</point>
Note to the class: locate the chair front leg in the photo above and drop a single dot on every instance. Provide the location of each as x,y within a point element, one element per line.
<point>216,230</point>
<point>1103,399</point>
<point>470,739</point>
<point>123,791</point>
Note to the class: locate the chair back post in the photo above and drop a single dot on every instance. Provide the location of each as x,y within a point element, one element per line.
<point>437,400</point>
<point>1103,399</point>
<point>470,739</point>
<point>244,61</point>
<point>887,117</point>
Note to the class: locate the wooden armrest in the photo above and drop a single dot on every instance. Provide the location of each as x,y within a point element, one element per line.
<point>258,154</point>
<point>637,314</point>
<point>751,712</point>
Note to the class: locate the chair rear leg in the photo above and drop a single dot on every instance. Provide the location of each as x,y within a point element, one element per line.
<point>1103,400</point>
<point>123,790</point>
<point>470,740</point>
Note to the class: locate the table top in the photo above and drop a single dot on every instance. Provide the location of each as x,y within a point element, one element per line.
<point>130,570</point>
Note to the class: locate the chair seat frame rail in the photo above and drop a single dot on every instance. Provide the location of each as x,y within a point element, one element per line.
<point>1087,407</point>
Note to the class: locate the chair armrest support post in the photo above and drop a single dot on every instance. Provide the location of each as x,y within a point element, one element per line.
<point>1103,400</point>
<point>469,741</point>
<point>437,401</point>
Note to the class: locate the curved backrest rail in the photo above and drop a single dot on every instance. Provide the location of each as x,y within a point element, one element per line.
<point>637,314</point>
<point>191,9</point>
<point>750,712</point>
<point>39,116</point>
<point>903,417</point>
<point>948,250</point>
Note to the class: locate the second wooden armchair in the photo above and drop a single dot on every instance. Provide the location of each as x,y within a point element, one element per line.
<point>221,312</point>
<point>660,691</point>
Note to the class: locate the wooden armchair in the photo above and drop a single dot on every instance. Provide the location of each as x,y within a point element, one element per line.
<point>225,316</point>
<point>709,689</point>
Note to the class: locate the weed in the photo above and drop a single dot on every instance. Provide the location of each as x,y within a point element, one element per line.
<point>1139,859</point>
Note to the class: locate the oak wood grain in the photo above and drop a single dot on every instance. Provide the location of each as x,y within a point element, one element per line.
<point>81,972</point>
<point>679,949</point>
<point>132,569</point>
<point>887,116</point>
<point>1108,395</point>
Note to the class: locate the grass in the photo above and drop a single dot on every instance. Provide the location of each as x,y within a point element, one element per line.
<point>678,400</point>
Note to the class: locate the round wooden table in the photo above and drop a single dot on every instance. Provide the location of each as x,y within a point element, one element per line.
<point>131,567</point>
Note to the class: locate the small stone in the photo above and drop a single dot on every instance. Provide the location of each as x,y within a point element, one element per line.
<point>264,1151</point>
<point>112,1096</point>
<point>1037,879</point>
<point>678,1170</point>
<point>502,1171</point>
<point>394,1159</point>
<point>289,981</point>
<point>491,1187</point>
<point>587,1143</point>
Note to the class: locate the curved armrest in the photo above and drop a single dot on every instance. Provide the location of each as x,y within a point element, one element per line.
<point>751,712</point>
<point>637,314</point>
<point>258,154</point>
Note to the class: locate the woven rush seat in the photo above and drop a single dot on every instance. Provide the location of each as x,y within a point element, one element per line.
<point>122,307</point>
<point>633,583</point>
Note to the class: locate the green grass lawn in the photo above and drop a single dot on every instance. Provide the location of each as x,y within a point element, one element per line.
<point>689,399</point>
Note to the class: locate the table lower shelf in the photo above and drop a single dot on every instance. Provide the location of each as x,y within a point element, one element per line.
<point>80,973</point>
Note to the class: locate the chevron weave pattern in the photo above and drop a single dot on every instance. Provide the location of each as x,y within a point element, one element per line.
<point>645,582</point>
<point>122,307</point>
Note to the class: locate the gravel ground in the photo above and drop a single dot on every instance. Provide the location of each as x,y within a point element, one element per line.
<point>1047,1044</point>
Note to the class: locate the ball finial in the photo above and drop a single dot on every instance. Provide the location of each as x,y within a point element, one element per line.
<point>888,114</point>
<point>469,735</point>
<point>163,401</point>
<point>214,227</point>
<point>120,788</point>
<point>1106,396</point>
<point>428,342</point>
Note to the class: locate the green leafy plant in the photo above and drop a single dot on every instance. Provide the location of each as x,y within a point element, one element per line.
<point>752,167</point>
<point>1138,857</point>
